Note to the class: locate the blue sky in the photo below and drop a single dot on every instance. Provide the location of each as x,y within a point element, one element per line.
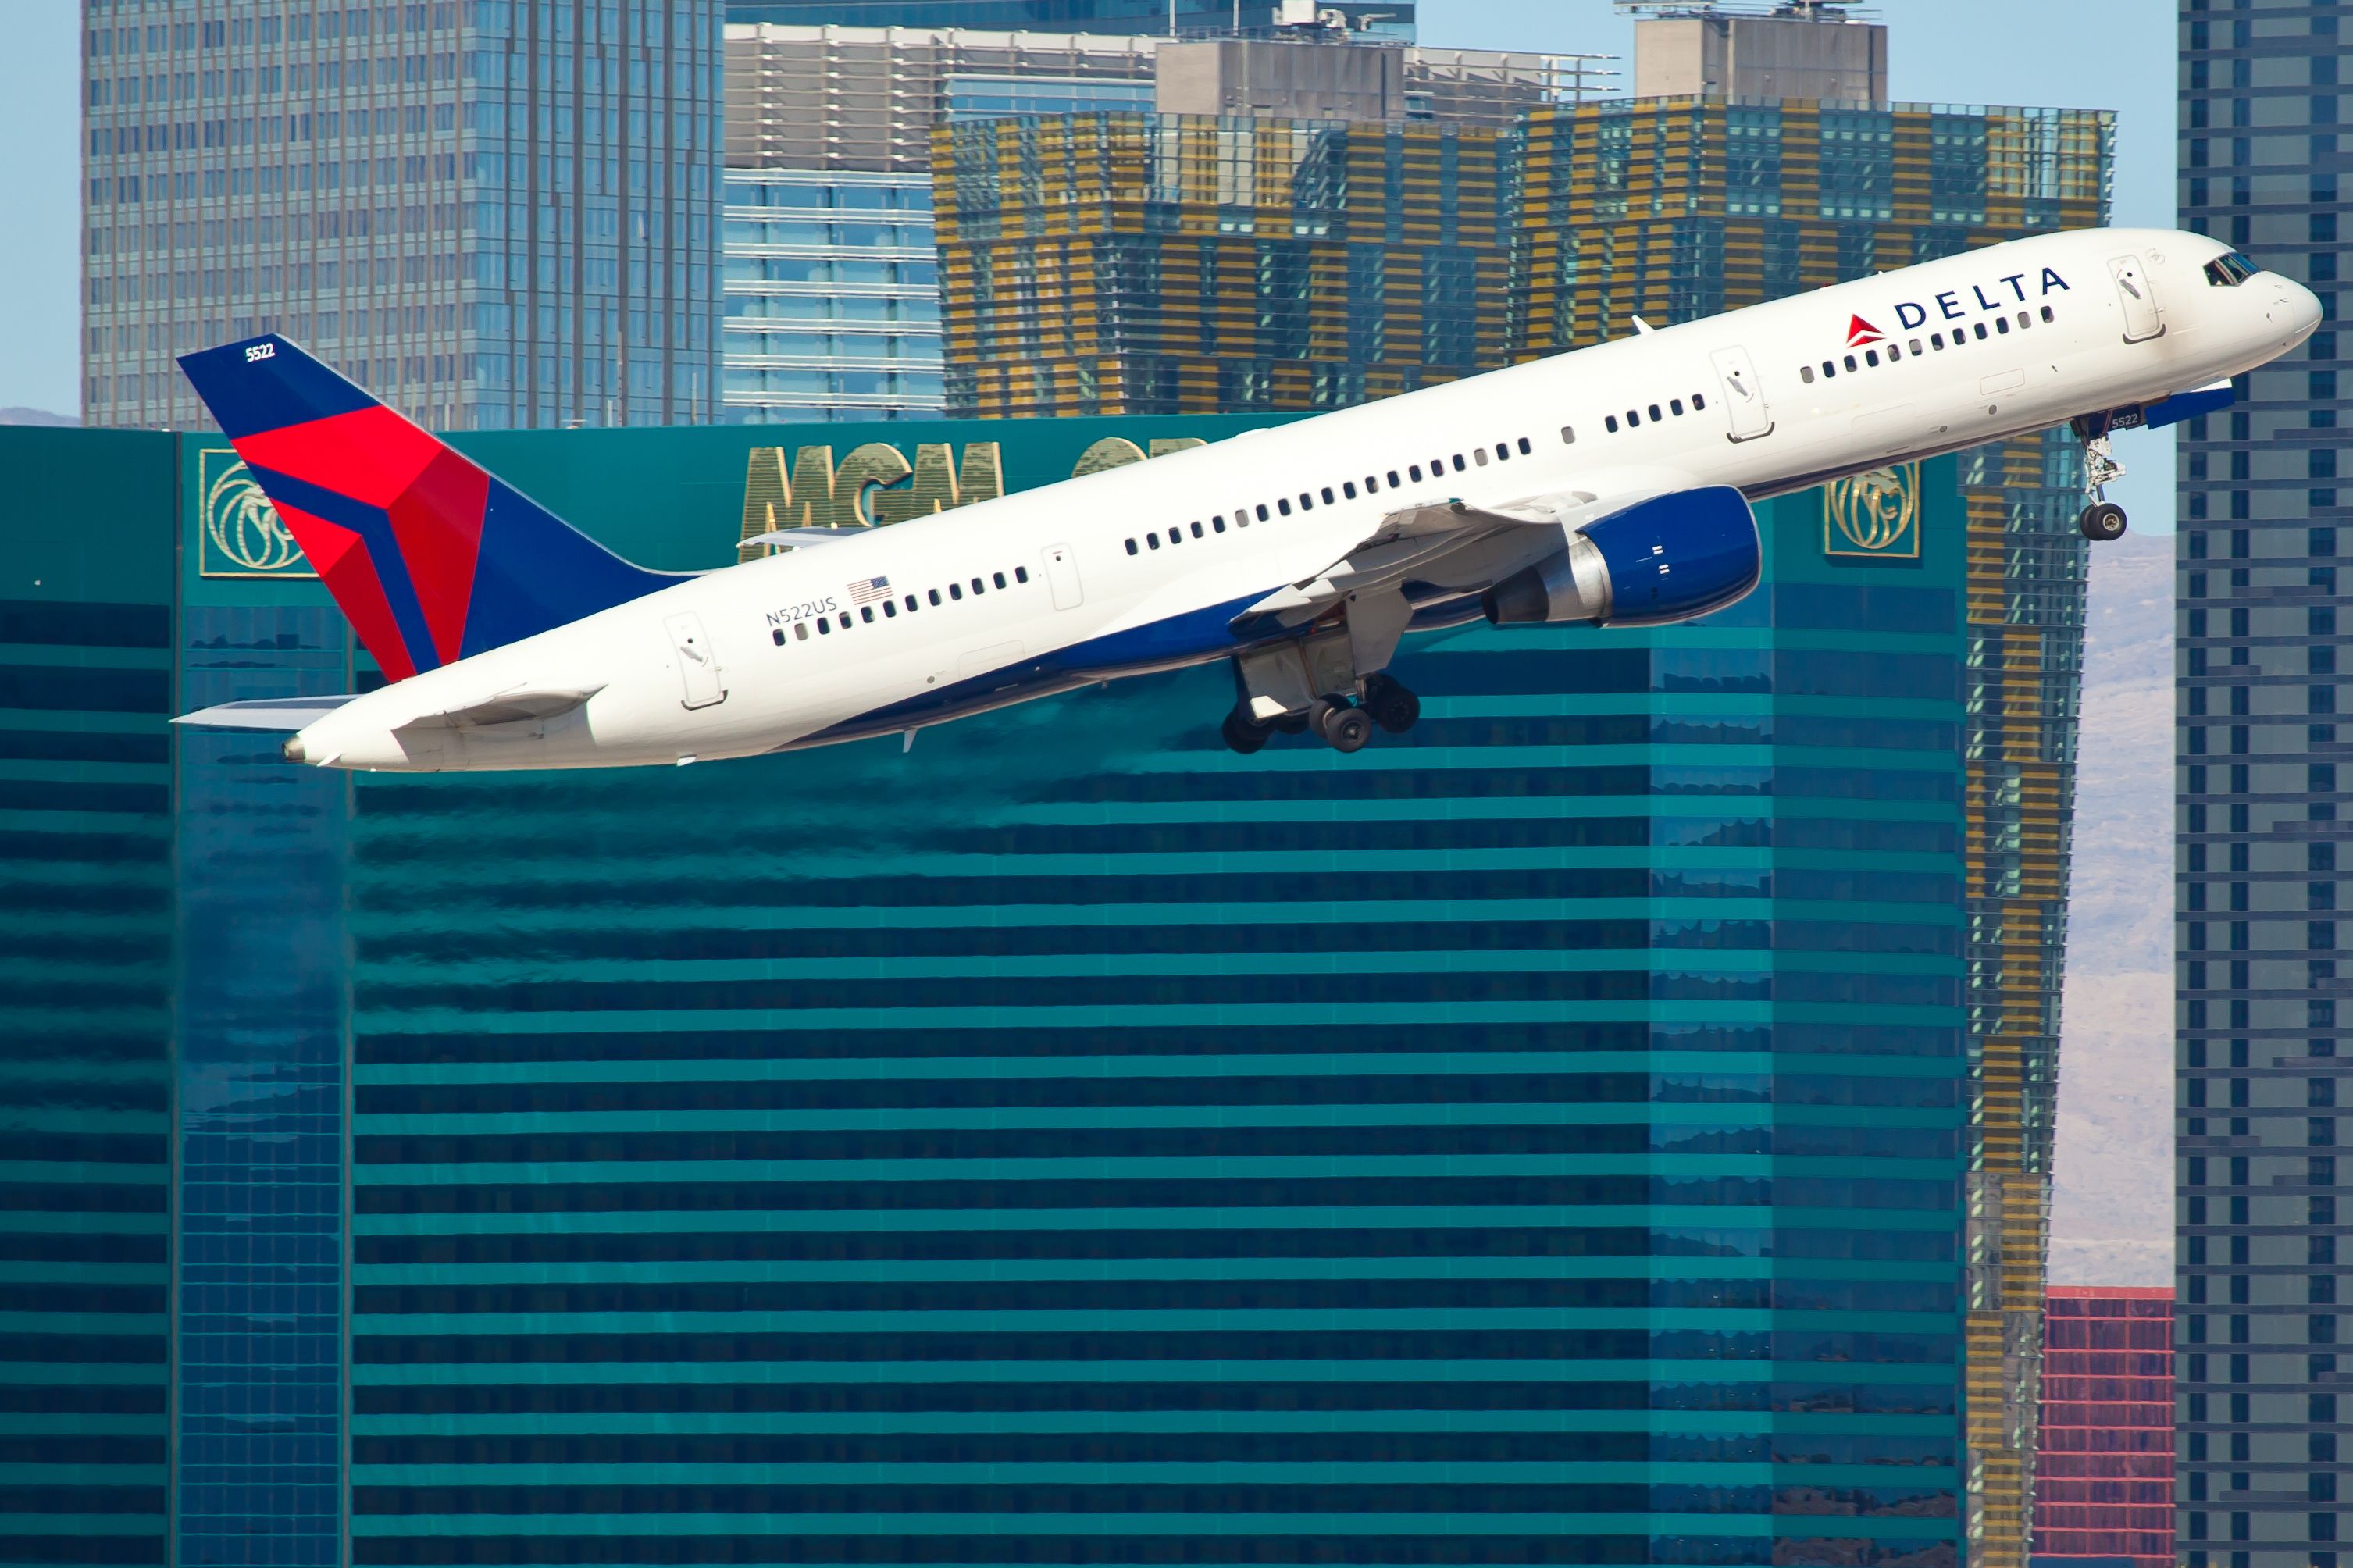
<point>1989,52</point>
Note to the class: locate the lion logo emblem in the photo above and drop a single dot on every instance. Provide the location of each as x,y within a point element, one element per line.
<point>1877,513</point>
<point>242,534</point>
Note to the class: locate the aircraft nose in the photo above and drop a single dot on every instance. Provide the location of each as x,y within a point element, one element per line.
<point>2301,307</point>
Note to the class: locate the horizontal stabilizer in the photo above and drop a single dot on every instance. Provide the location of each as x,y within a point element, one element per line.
<point>796,537</point>
<point>506,707</point>
<point>280,713</point>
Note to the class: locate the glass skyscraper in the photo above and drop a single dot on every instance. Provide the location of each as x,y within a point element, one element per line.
<point>494,213</point>
<point>2104,1471</point>
<point>1545,1138</point>
<point>2262,869</point>
<point>1377,18</point>
<point>833,296</point>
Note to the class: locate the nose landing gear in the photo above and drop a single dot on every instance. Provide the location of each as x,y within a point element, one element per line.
<point>2102,520</point>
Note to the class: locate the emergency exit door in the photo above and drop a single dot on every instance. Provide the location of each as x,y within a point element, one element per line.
<point>1745,410</point>
<point>2138,298</point>
<point>698,662</point>
<point>1062,577</point>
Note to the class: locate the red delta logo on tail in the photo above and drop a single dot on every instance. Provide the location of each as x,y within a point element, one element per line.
<point>1859,332</point>
<point>430,558</point>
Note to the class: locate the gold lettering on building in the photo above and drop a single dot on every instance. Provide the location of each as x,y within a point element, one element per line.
<point>874,485</point>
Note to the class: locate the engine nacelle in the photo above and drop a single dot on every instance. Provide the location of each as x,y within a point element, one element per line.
<point>1668,559</point>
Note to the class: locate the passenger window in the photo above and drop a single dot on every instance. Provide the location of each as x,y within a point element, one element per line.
<point>998,578</point>
<point>1327,494</point>
<point>2000,324</point>
<point>911,603</point>
<point>1894,352</point>
<point>933,594</point>
<point>1503,450</point>
<point>1870,358</point>
<point>780,634</point>
<point>955,592</point>
<point>1851,365</point>
<point>1654,413</point>
<point>1981,331</point>
<point>1283,506</point>
<point>845,620</point>
<point>1806,374</point>
<point>1131,547</point>
<point>1306,501</point>
<point>1393,478</point>
<point>1021,574</point>
<point>1458,462</point>
<point>1632,418</point>
<point>824,627</point>
<point>2046,313</point>
<point>889,609</point>
<point>800,631</point>
<point>1153,540</point>
<point>1568,434</point>
<point>977,589</point>
<point>866,614</point>
<point>1176,537</point>
<point>1478,456</point>
<point>1915,346</point>
<point>1197,531</point>
<point>1829,370</point>
<point>1349,489</point>
<point>1414,470</point>
<point>1218,524</point>
<point>2025,320</point>
<point>1525,447</point>
<point>1676,406</point>
<point>1699,400</point>
<point>1936,341</point>
<point>1610,422</point>
<point>1261,512</point>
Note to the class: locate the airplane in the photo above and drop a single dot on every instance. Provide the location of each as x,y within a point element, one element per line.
<point>1610,486</point>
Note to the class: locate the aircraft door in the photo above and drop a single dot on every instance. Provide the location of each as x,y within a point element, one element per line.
<point>1063,576</point>
<point>1744,394</point>
<point>2138,297</point>
<point>698,662</point>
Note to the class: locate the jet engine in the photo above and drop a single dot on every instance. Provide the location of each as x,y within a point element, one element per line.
<point>1663,560</point>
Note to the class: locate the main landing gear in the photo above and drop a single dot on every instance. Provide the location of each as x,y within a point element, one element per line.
<point>1342,725</point>
<point>2102,520</point>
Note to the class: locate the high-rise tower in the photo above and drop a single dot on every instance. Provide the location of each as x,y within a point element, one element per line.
<point>496,214</point>
<point>2263,825</point>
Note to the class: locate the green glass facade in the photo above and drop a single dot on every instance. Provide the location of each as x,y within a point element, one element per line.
<point>85,998</point>
<point>1542,1137</point>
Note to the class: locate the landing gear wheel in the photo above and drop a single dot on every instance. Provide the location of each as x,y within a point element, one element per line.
<point>1344,727</point>
<point>2102,522</point>
<point>1393,707</point>
<point>1241,735</point>
<point>1291,724</point>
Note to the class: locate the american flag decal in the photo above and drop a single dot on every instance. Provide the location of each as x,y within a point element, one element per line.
<point>866,590</point>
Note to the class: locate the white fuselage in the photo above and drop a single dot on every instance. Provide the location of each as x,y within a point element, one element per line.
<point>1740,399</point>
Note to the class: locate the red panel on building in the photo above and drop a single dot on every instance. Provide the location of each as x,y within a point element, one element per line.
<point>2104,1472</point>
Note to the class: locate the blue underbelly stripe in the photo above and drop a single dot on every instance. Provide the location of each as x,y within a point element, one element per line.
<point>1195,636</point>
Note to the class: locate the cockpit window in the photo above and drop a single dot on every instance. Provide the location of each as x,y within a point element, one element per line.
<point>2229,270</point>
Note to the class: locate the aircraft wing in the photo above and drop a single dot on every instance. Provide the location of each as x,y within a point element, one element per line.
<point>1450,544</point>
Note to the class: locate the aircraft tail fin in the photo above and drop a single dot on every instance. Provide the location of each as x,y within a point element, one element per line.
<point>429,556</point>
